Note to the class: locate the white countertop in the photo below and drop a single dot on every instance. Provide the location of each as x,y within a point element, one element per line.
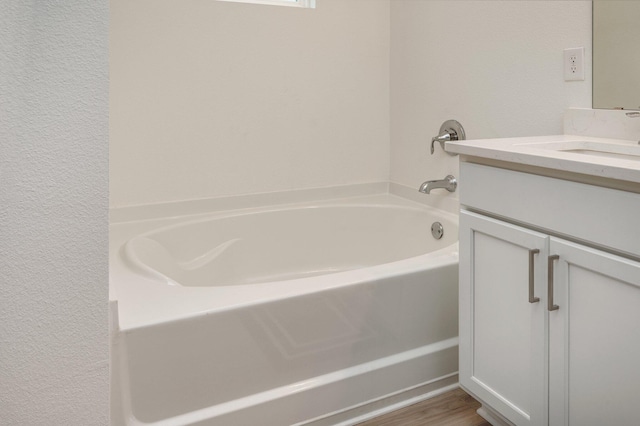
<point>570,153</point>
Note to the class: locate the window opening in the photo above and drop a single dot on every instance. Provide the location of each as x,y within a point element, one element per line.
<point>293,3</point>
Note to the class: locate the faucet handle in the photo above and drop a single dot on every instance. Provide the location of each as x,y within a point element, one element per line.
<point>442,138</point>
<point>451,130</point>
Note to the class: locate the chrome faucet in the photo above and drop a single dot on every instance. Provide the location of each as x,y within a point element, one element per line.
<point>449,183</point>
<point>450,130</point>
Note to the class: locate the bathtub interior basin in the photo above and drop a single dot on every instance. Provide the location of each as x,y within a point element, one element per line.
<point>282,244</point>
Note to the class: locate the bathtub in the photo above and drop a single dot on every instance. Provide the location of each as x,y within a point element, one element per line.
<point>315,313</point>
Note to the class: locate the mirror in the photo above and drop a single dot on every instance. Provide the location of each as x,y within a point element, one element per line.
<point>616,54</point>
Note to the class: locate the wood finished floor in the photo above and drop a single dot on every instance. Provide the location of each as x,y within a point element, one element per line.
<point>454,408</point>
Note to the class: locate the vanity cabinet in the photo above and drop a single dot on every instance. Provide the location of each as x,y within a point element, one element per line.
<point>594,338</point>
<point>502,334</point>
<point>549,299</point>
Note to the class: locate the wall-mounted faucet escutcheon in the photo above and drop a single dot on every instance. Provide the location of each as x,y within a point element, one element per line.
<point>451,130</point>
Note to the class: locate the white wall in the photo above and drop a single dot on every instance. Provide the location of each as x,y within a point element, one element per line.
<point>215,98</point>
<point>53,213</point>
<point>495,66</point>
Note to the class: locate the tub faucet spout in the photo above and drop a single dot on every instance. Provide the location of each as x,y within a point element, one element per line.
<point>449,183</point>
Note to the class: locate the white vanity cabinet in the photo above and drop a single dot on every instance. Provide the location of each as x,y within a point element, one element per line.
<point>594,338</point>
<point>502,334</point>
<point>549,299</point>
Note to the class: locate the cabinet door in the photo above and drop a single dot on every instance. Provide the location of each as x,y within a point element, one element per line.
<point>502,333</point>
<point>594,352</point>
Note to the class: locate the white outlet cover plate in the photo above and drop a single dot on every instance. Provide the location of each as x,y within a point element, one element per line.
<point>574,64</point>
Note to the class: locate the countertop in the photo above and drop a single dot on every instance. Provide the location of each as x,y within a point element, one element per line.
<point>567,153</point>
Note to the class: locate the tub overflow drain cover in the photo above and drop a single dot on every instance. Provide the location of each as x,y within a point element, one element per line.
<point>437,230</point>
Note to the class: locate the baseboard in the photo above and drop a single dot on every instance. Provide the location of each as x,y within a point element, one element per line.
<point>492,416</point>
<point>387,404</point>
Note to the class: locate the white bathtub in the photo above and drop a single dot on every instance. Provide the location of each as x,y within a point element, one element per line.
<point>312,314</point>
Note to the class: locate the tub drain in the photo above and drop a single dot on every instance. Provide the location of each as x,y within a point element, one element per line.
<point>437,230</point>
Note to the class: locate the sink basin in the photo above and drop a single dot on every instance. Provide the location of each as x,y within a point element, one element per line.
<point>621,151</point>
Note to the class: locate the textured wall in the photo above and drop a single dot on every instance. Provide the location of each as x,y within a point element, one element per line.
<point>53,212</point>
<point>215,98</point>
<point>495,66</point>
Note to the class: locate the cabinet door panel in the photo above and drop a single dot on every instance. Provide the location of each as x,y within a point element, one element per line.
<point>594,338</point>
<point>502,345</point>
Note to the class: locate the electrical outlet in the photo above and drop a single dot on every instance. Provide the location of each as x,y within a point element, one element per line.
<point>574,64</point>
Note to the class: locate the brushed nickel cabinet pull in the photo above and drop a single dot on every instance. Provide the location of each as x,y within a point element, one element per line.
<point>550,304</point>
<point>532,253</point>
